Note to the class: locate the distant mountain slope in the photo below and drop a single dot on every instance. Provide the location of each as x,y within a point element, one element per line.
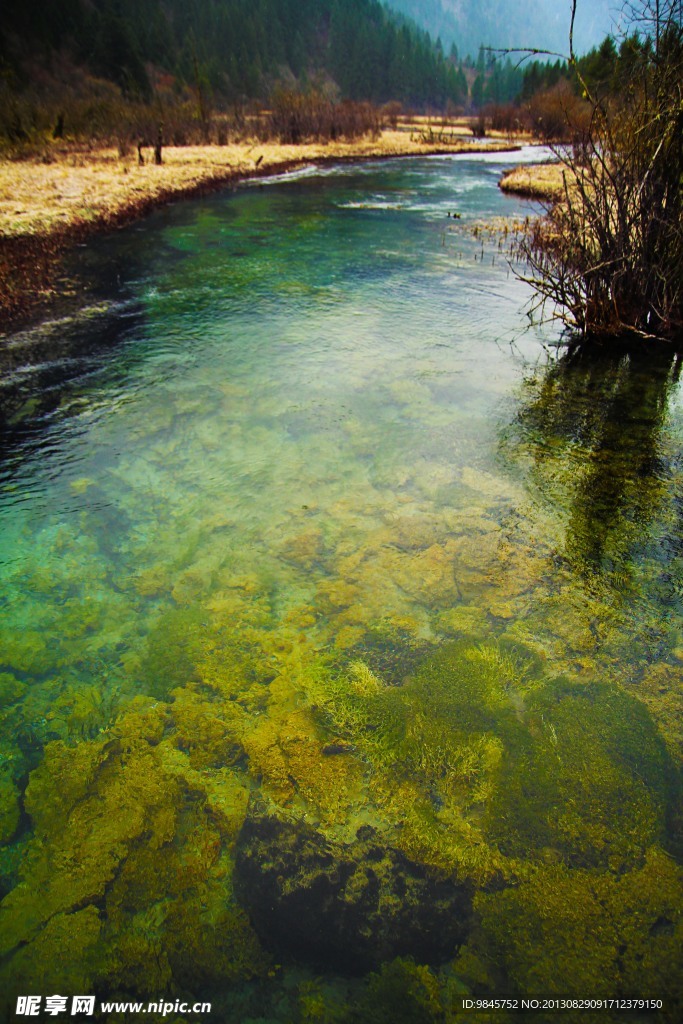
<point>535,23</point>
<point>234,49</point>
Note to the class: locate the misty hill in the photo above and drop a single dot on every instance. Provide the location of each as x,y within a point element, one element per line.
<point>500,23</point>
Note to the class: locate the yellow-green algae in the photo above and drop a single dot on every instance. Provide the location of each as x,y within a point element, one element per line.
<point>475,764</point>
<point>510,777</point>
<point>565,931</point>
<point>130,858</point>
<point>9,807</point>
<point>471,760</point>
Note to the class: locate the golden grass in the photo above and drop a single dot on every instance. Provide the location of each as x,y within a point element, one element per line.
<point>536,181</point>
<point>462,127</point>
<point>99,187</point>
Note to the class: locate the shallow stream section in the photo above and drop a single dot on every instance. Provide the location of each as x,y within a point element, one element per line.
<point>341,644</point>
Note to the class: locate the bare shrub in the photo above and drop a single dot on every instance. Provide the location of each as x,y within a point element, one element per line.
<point>557,114</point>
<point>391,113</point>
<point>479,126</point>
<point>297,117</point>
<point>506,117</point>
<point>609,258</point>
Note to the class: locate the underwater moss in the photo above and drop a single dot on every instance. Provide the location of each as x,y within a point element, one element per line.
<point>471,763</point>
<point>568,931</point>
<point>464,620</point>
<point>476,768</point>
<point>81,712</point>
<point>11,689</point>
<point>304,549</point>
<point>435,726</point>
<point>128,831</point>
<point>480,763</point>
<point>286,750</point>
<point>90,840</point>
<point>590,778</point>
<point>402,992</point>
<point>24,652</point>
<point>191,646</point>
<point>208,729</point>
<point>174,646</point>
<point>9,807</point>
<point>392,652</point>
<point>430,746</point>
<point>661,690</point>
<point>62,958</point>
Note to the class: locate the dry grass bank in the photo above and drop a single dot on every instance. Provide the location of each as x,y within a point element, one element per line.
<point>535,181</point>
<point>47,204</point>
<point>98,186</point>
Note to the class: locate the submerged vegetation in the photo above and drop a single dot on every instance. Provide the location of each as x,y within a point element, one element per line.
<point>549,798</point>
<point>350,782</point>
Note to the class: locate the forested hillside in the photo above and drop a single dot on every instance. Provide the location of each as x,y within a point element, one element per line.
<point>234,49</point>
<point>116,67</point>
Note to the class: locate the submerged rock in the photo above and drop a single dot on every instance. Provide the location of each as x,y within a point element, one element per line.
<point>344,907</point>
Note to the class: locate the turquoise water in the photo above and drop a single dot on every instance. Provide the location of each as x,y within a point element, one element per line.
<point>315,552</point>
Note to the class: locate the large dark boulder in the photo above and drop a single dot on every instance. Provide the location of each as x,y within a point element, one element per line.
<point>343,907</point>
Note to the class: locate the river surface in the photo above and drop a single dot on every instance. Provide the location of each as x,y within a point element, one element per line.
<point>342,620</point>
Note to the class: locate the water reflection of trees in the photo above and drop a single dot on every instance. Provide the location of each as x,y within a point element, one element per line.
<point>591,441</point>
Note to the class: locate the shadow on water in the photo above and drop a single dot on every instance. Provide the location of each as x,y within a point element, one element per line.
<point>52,370</point>
<point>591,437</point>
<point>56,373</point>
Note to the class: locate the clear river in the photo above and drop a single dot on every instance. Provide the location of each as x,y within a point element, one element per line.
<point>341,636</point>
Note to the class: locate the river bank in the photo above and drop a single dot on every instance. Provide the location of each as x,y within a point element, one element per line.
<point>535,181</point>
<point>49,204</point>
